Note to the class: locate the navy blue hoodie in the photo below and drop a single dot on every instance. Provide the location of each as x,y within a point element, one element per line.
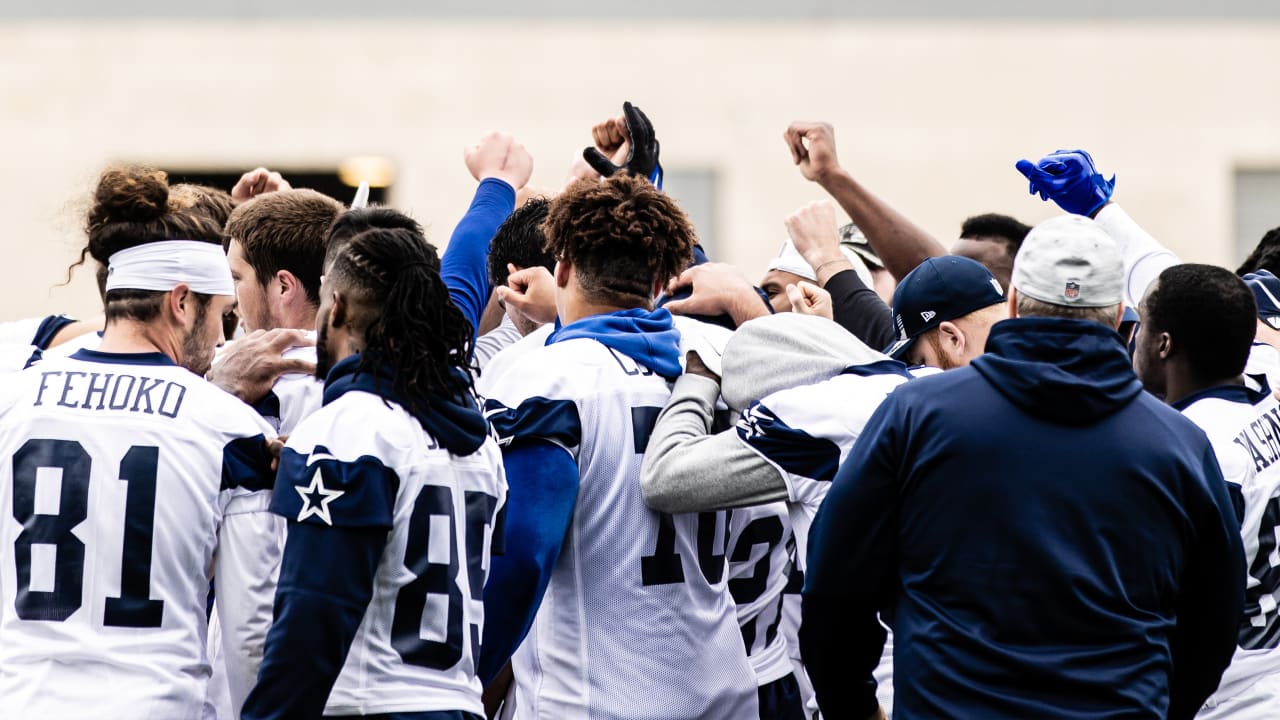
<point>1045,539</point>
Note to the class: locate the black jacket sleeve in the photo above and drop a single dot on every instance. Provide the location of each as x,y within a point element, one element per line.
<point>860,310</point>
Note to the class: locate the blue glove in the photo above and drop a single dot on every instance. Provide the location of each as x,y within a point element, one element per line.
<point>1069,178</point>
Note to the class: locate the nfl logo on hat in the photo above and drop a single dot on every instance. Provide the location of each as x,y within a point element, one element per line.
<point>1072,291</point>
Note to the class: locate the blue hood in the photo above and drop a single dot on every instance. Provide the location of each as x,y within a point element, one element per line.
<point>648,337</point>
<point>456,423</point>
<point>1072,372</point>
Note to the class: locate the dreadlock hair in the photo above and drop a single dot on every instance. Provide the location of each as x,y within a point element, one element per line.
<point>353,222</point>
<point>133,206</point>
<point>1265,255</point>
<point>403,309</point>
<point>621,235</point>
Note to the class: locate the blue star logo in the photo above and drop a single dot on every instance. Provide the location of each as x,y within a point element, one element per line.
<point>316,498</point>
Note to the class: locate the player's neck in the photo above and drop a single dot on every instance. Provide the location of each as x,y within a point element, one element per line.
<point>1180,385</point>
<point>575,309</point>
<point>131,336</point>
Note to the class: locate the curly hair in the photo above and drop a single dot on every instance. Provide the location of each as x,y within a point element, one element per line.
<point>410,324</point>
<point>520,242</point>
<point>621,235</point>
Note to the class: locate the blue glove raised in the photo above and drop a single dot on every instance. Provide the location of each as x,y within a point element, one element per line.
<point>1069,178</point>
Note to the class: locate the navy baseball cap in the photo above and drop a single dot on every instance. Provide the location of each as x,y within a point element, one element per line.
<point>1266,291</point>
<point>939,289</point>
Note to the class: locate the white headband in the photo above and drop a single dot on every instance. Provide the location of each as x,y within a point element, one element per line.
<point>164,265</point>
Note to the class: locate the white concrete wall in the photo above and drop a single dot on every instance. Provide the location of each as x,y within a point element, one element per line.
<point>930,114</point>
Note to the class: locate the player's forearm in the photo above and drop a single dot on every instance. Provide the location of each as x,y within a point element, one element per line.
<point>1144,257</point>
<point>542,482</point>
<point>900,243</point>
<point>245,576</point>
<point>687,470</point>
<point>464,268</point>
<point>859,310</point>
<point>326,581</point>
<point>841,644</point>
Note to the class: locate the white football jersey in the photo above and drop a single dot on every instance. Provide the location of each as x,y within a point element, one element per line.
<point>806,432</point>
<point>124,475</point>
<point>637,621</point>
<point>417,645</point>
<point>24,342</point>
<point>1264,360</point>
<point>1245,434</point>
<point>759,566</point>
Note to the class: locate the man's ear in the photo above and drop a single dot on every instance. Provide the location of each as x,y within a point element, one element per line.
<point>952,336</point>
<point>338,310</point>
<point>563,268</point>
<point>289,283</point>
<point>1012,302</point>
<point>1164,346</point>
<point>180,301</point>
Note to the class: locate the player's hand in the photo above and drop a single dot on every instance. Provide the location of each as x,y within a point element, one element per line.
<point>717,289</point>
<point>531,292</point>
<point>275,446</point>
<point>579,171</point>
<point>813,231</point>
<point>251,365</point>
<point>813,149</point>
<point>257,182</point>
<point>1070,179</point>
<point>809,299</point>
<point>693,365</point>
<point>498,155</point>
<point>633,132</point>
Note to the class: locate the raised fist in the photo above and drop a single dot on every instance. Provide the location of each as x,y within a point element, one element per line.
<point>813,149</point>
<point>499,155</point>
<point>634,132</point>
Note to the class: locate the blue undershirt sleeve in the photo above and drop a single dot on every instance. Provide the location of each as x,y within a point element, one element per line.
<point>542,481</point>
<point>326,582</point>
<point>464,267</point>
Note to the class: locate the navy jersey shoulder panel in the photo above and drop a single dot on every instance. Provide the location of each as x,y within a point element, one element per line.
<point>879,367</point>
<point>536,417</point>
<point>792,449</point>
<point>246,463</point>
<point>49,329</point>
<point>323,490</point>
<point>268,406</point>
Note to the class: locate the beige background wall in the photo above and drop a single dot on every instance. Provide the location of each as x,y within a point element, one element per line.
<point>930,114</point>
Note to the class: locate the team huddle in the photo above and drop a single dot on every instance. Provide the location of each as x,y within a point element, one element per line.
<point>306,466</point>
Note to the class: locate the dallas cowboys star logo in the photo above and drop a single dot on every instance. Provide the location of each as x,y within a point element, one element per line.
<point>316,498</point>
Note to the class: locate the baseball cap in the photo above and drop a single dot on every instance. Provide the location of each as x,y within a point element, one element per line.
<point>852,238</point>
<point>1266,291</point>
<point>1071,261</point>
<point>791,261</point>
<point>939,289</point>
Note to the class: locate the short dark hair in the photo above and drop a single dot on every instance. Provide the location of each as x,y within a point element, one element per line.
<point>353,222</point>
<point>1210,314</point>
<point>286,230</point>
<point>520,241</point>
<point>621,235</point>
<point>1265,255</point>
<point>132,206</point>
<point>994,225</point>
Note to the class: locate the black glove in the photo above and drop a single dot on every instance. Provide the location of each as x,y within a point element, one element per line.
<point>642,159</point>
